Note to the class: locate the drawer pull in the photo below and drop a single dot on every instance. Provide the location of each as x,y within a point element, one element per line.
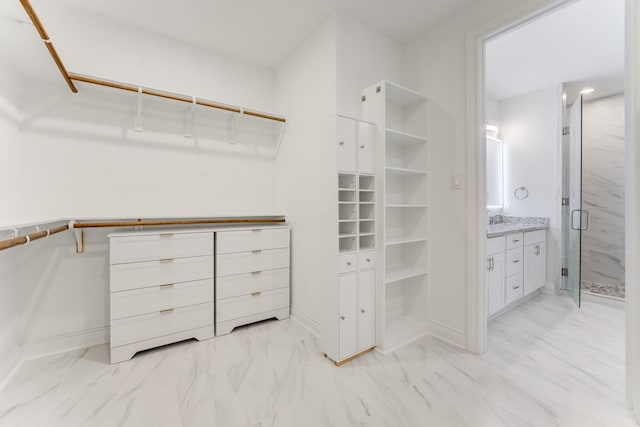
<point>342,317</point>
<point>516,287</point>
<point>348,262</point>
<point>165,261</point>
<point>363,311</point>
<point>167,311</point>
<point>256,272</point>
<point>166,235</point>
<point>515,240</point>
<point>341,142</point>
<point>368,259</point>
<point>256,251</point>
<point>362,146</point>
<point>167,286</point>
<point>256,294</point>
<point>515,261</point>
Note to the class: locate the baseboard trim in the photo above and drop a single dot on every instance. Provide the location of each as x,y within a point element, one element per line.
<point>64,343</point>
<point>305,321</point>
<point>447,334</point>
<point>549,288</point>
<point>9,367</point>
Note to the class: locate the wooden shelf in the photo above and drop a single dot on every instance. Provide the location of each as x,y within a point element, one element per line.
<point>397,273</point>
<point>406,172</point>
<point>399,137</point>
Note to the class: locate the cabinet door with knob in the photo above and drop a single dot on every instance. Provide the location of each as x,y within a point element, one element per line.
<point>534,267</point>
<point>366,310</point>
<point>365,148</point>
<point>495,269</point>
<point>346,145</point>
<point>347,323</point>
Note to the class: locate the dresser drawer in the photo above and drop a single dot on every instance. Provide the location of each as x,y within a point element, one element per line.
<point>366,260</point>
<point>251,240</point>
<point>153,325</point>
<point>514,289</point>
<point>248,305</point>
<point>514,240</point>
<point>157,298</point>
<point>347,263</point>
<point>154,273</point>
<point>248,262</point>
<point>154,247</point>
<point>514,261</point>
<point>244,284</point>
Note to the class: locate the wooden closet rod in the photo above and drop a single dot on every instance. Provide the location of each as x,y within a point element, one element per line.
<point>48,43</point>
<point>23,240</point>
<point>153,222</point>
<point>173,96</point>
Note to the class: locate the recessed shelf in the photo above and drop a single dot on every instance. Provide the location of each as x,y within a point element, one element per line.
<point>342,236</point>
<point>401,96</point>
<point>367,220</point>
<point>348,203</point>
<point>348,220</point>
<point>407,206</point>
<point>404,240</point>
<point>363,190</point>
<point>404,171</point>
<point>353,190</point>
<point>367,203</point>
<point>397,273</point>
<point>402,331</point>
<point>399,137</point>
<point>367,234</point>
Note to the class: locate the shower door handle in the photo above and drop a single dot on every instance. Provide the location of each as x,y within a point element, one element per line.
<point>583,219</point>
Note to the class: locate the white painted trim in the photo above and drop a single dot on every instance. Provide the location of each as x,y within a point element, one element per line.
<point>306,321</point>
<point>10,367</point>
<point>447,334</point>
<point>64,343</point>
<point>632,207</point>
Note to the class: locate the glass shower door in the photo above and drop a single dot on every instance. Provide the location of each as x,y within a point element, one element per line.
<point>575,220</point>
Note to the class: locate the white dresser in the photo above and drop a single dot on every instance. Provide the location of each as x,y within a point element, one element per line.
<point>252,276</point>
<point>162,287</point>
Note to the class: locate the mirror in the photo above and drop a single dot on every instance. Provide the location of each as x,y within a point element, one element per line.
<point>495,174</point>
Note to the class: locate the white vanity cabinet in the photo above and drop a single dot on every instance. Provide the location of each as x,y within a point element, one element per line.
<point>495,271</point>
<point>515,268</point>
<point>534,261</point>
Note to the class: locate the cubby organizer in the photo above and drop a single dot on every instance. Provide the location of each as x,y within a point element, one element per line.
<point>403,213</point>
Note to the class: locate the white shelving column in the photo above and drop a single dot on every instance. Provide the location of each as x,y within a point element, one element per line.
<point>402,211</point>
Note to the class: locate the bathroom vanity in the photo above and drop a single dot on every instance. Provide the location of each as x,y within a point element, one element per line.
<point>515,261</point>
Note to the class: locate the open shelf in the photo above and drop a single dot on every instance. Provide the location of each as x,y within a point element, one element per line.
<point>401,96</point>
<point>348,244</point>
<point>346,181</point>
<point>347,228</point>
<point>367,211</point>
<point>367,197</point>
<point>412,206</point>
<point>401,272</point>
<point>367,227</point>
<point>403,138</point>
<point>347,212</point>
<point>367,182</point>
<point>402,331</point>
<point>367,241</point>
<point>404,240</point>
<point>403,171</point>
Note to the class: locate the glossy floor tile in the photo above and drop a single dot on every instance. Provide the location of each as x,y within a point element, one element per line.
<point>548,364</point>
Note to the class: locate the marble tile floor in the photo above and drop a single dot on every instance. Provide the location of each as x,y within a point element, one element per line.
<point>607,289</point>
<point>548,364</point>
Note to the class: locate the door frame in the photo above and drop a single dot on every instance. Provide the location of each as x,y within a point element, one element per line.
<point>476,173</point>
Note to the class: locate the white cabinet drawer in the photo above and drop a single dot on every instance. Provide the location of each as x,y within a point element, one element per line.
<point>159,246</point>
<point>514,289</point>
<point>154,273</point>
<point>248,262</point>
<point>251,240</point>
<point>514,240</point>
<point>248,305</point>
<point>153,325</point>
<point>347,263</point>
<point>366,260</point>
<point>244,284</point>
<point>514,261</point>
<point>495,245</point>
<point>533,237</point>
<point>158,298</point>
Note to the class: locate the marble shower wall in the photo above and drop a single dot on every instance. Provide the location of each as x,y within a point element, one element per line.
<point>603,190</point>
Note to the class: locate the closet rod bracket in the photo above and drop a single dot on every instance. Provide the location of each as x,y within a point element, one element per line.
<point>79,235</point>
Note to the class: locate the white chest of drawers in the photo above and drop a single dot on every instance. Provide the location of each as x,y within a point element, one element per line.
<point>161,289</point>
<point>252,276</point>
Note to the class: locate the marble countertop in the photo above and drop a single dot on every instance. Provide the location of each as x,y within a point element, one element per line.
<point>500,225</point>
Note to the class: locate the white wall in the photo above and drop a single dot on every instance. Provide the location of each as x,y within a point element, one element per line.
<point>492,110</point>
<point>305,175</point>
<point>530,127</point>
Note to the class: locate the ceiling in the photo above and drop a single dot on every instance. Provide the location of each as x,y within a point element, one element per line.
<point>579,42</point>
<point>259,31</point>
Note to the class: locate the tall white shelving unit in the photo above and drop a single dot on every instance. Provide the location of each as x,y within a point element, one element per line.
<point>402,212</point>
